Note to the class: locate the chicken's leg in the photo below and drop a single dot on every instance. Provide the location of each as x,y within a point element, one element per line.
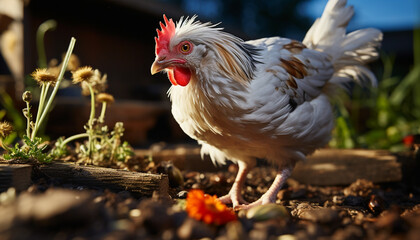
<point>271,195</point>
<point>234,196</point>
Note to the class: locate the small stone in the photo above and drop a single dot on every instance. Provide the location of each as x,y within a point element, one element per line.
<point>267,211</point>
<point>361,187</point>
<point>174,174</point>
<point>55,207</point>
<point>350,232</point>
<point>182,194</point>
<point>134,213</point>
<point>235,230</point>
<point>391,220</point>
<point>154,216</point>
<point>287,237</point>
<point>192,229</point>
<point>320,215</point>
<point>217,179</point>
<point>338,200</point>
<point>233,168</point>
<point>376,204</point>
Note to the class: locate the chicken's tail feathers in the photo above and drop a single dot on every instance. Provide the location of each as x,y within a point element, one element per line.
<point>349,52</point>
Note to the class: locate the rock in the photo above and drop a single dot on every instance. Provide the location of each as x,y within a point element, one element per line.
<point>56,207</point>
<point>182,194</point>
<point>267,211</point>
<point>235,231</point>
<point>154,216</point>
<point>376,204</point>
<point>391,221</point>
<point>174,174</point>
<point>338,200</point>
<point>349,233</point>
<point>192,229</point>
<point>361,187</point>
<point>320,215</point>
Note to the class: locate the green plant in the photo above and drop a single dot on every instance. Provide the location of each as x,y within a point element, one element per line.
<point>32,148</point>
<point>12,114</point>
<point>393,107</point>
<point>30,151</point>
<point>101,146</point>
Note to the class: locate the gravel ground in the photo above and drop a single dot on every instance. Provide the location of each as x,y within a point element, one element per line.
<point>363,210</point>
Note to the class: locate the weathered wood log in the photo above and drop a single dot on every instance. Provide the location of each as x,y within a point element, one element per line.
<point>140,184</point>
<point>17,176</point>
<point>344,166</point>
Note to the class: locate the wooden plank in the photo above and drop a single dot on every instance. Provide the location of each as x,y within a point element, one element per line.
<point>17,176</point>
<point>344,166</point>
<point>140,184</point>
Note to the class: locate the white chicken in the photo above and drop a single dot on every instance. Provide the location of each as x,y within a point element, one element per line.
<point>266,98</point>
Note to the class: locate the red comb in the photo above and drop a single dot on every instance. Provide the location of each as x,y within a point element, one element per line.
<point>164,35</point>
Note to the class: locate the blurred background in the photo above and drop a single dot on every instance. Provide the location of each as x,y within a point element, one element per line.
<point>117,37</point>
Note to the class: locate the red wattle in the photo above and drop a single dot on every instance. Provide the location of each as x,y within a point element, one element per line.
<point>179,76</point>
<point>171,77</point>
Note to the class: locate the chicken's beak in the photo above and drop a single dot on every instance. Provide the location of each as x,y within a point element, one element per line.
<point>156,67</point>
<point>159,64</point>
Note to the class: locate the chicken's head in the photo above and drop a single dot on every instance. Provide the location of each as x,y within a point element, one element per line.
<point>173,54</point>
<point>194,48</point>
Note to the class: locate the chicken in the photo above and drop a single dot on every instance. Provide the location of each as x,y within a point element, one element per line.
<point>266,98</point>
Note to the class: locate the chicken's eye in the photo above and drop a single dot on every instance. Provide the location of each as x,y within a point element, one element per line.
<point>185,48</point>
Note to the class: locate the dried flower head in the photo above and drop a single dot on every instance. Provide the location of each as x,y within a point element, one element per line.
<point>208,208</point>
<point>5,129</point>
<point>105,97</point>
<point>27,96</point>
<point>43,76</point>
<point>97,82</point>
<point>83,74</point>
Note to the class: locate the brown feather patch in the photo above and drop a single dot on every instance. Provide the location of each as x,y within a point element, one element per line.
<point>294,47</point>
<point>231,66</point>
<point>291,82</point>
<point>294,67</point>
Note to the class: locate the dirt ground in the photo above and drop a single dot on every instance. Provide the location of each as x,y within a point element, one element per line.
<point>50,209</point>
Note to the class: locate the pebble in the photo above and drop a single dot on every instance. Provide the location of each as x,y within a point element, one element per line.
<point>376,204</point>
<point>154,216</point>
<point>338,200</point>
<point>361,187</point>
<point>182,194</point>
<point>55,207</point>
<point>348,233</point>
<point>320,215</point>
<point>192,229</point>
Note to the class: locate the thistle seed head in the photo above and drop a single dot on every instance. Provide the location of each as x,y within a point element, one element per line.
<point>43,76</point>
<point>83,74</point>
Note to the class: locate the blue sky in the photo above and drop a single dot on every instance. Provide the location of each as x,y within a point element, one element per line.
<point>383,14</point>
